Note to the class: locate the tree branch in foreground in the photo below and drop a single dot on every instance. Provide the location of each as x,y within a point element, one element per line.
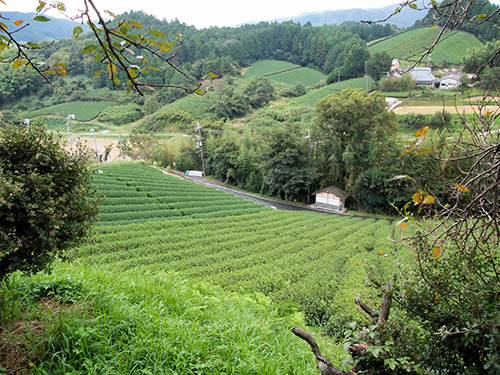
<point>325,367</point>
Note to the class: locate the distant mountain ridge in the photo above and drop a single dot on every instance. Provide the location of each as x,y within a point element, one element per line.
<point>55,29</point>
<point>405,19</point>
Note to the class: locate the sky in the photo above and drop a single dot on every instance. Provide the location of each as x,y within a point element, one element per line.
<point>206,13</point>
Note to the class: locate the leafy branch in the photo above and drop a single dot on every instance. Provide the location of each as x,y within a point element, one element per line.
<point>123,46</point>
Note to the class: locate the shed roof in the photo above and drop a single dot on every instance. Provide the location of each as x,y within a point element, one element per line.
<point>334,190</point>
<point>423,74</point>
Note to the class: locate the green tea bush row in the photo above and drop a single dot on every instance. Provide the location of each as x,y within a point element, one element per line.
<point>291,256</point>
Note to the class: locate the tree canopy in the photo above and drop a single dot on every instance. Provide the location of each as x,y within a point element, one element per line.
<point>45,198</point>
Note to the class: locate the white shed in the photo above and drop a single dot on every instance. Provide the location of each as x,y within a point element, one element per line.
<point>331,197</point>
<point>450,81</point>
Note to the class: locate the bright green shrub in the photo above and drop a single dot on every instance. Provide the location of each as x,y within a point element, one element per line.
<point>121,114</point>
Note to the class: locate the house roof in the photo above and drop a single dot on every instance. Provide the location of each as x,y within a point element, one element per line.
<point>423,74</point>
<point>451,75</point>
<point>334,190</point>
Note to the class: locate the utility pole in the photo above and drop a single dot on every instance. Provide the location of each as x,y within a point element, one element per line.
<point>70,117</point>
<point>199,144</point>
<point>121,148</point>
<point>308,137</point>
<point>95,141</point>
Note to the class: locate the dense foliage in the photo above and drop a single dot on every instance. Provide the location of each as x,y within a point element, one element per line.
<point>217,50</point>
<point>44,198</point>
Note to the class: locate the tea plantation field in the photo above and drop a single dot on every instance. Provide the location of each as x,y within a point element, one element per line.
<point>452,47</point>
<point>179,278</point>
<point>206,235</point>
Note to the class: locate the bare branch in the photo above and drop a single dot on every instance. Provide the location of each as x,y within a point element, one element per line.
<point>325,367</point>
<point>366,308</point>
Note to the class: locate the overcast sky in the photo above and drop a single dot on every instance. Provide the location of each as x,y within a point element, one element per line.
<point>206,13</point>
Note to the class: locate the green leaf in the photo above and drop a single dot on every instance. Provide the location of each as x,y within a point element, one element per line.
<point>77,31</point>
<point>213,75</point>
<point>481,16</point>
<point>110,13</point>
<point>90,48</point>
<point>136,24</point>
<point>40,7</point>
<point>41,19</point>
<point>198,91</point>
<point>124,28</point>
<point>60,6</point>
<point>33,45</point>
<point>157,33</point>
<point>98,72</point>
<point>413,6</point>
<point>17,64</point>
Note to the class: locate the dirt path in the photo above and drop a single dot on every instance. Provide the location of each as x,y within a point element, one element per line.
<point>114,155</point>
<point>430,110</point>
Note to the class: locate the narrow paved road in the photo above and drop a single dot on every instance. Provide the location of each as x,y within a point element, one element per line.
<point>265,201</point>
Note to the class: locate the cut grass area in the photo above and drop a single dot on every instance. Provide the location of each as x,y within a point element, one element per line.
<point>83,111</point>
<point>313,96</point>
<point>231,242</point>
<point>162,196</point>
<point>284,72</point>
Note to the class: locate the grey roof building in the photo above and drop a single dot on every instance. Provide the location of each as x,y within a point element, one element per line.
<point>423,76</point>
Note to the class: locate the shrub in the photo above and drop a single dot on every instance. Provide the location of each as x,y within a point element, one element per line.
<point>44,204</point>
<point>121,114</point>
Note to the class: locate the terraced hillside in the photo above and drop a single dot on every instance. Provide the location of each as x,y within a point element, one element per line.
<point>309,258</point>
<point>134,193</point>
<point>313,96</point>
<point>285,72</point>
<point>83,111</point>
<point>410,45</point>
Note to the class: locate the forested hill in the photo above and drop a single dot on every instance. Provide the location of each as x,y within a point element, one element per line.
<point>56,29</point>
<point>219,50</point>
<point>402,20</point>
<point>482,28</point>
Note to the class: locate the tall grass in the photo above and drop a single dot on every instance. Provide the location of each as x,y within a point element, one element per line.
<point>98,322</point>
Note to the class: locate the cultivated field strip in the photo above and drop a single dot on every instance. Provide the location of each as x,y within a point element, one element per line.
<point>136,193</point>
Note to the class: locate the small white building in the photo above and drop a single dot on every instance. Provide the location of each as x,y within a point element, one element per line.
<point>331,197</point>
<point>450,81</point>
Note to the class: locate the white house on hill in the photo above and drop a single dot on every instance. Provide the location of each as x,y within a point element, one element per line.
<point>331,197</point>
